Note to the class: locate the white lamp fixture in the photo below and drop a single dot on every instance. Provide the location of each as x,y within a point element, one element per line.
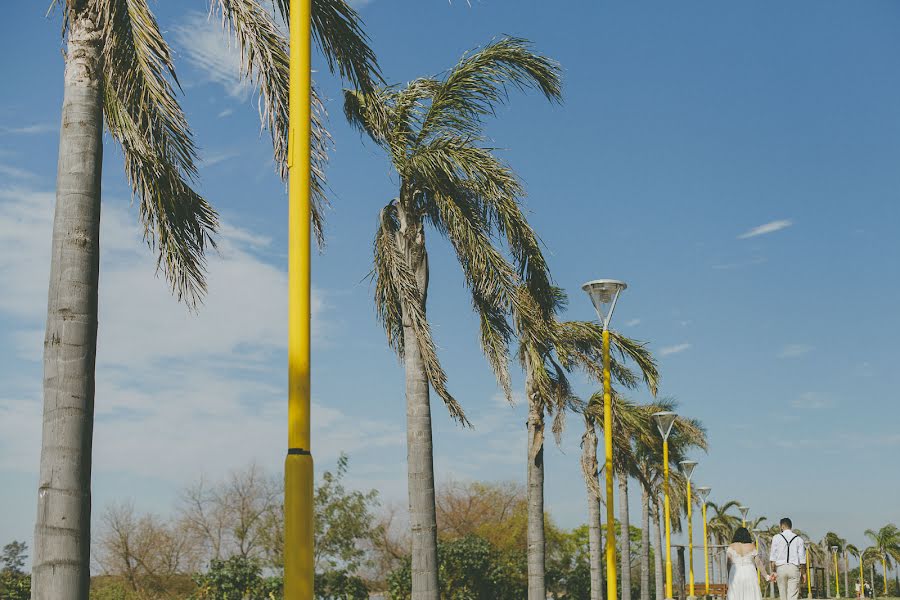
<point>745,510</point>
<point>604,293</point>
<point>664,422</point>
<point>703,493</point>
<point>687,467</point>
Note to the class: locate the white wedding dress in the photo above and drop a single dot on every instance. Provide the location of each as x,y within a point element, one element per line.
<point>743,578</point>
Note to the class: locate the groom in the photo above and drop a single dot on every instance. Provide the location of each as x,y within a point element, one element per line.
<point>788,558</point>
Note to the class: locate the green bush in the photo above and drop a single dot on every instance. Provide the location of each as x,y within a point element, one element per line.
<point>15,585</point>
<point>340,585</point>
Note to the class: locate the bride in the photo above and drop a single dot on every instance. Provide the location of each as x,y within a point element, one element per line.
<point>743,558</point>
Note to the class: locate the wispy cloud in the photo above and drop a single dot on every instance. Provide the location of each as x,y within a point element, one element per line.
<point>34,129</point>
<point>770,227</point>
<point>632,322</point>
<point>226,113</point>
<point>208,49</point>
<point>795,350</point>
<point>217,157</point>
<point>667,350</point>
<point>15,172</point>
<point>812,401</point>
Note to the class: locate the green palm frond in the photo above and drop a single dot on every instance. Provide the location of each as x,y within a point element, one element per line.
<point>480,81</point>
<point>396,289</point>
<point>338,31</point>
<point>143,115</point>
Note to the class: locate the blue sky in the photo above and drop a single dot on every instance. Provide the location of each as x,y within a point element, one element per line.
<point>735,163</point>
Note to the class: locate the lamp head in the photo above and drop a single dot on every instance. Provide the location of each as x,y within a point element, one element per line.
<point>604,293</point>
<point>703,493</point>
<point>687,467</point>
<point>664,421</point>
<point>745,510</point>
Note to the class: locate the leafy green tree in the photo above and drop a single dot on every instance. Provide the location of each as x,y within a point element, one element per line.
<point>12,557</point>
<point>236,578</point>
<point>886,541</point>
<point>450,179</point>
<point>15,584</point>
<point>340,585</point>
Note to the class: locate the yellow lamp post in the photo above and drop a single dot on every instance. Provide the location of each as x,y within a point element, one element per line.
<point>884,571</point>
<point>664,422</point>
<point>837,575</point>
<point>703,494</point>
<point>756,533</point>
<point>604,294</point>
<point>687,468</point>
<point>298,465</point>
<point>744,511</point>
<point>862,579</point>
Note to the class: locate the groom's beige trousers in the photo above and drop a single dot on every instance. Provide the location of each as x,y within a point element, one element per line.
<point>788,582</point>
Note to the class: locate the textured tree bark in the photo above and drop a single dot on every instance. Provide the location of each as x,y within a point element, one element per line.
<point>420,453</point>
<point>537,589</point>
<point>624,539</point>
<point>595,546</point>
<point>658,551</point>
<point>61,569</point>
<point>645,544</point>
<point>846,576</point>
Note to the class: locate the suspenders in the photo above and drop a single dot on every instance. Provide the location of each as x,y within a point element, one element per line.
<point>788,545</point>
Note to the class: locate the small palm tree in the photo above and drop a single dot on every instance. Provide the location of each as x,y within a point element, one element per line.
<point>432,130</point>
<point>886,542</point>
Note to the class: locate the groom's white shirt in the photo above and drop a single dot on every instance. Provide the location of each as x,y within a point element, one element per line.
<point>784,541</point>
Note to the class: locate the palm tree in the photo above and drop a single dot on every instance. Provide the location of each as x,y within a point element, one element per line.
<point>627,421</point>
<point>432,130</point>
<point>886,541</point>
<point>687,433</point>
<point>851,549</point>
<point>119,69</point>
<point>548,350</point>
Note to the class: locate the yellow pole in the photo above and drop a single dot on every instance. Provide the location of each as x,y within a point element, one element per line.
<point>758,574</point>
<point>705,549</point>
<point>668,520</point>
<point>837,577</point>
<point>611,584</point>
<point>690,540</point>
<point>298,465</point>
<point>862,582</point>
<point>884,572</point>
<point>808,580</point>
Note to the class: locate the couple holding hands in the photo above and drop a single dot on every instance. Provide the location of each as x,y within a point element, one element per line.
<point>787,558</point>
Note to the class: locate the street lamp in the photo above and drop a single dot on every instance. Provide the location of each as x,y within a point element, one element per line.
<point>664,422</point>
<point>298,464</point>
<point>744,511</point>
<point>687,468</point>
<point>837,576</point>
<point>604,293</point>
<point>756,532</point>
<point>703,494</point>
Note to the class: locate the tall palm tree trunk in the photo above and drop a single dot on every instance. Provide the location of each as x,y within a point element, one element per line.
<point>645,544</point>
<point>420,452</point>
<point>658,551</point>
<point>62,533</point>
<point>846,575</point>
<point>624,538</point>
<point>536,585</point>
<point>827,574</point>
<point>595,546</point>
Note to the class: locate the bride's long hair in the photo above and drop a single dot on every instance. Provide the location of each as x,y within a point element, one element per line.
<point>741,536</point>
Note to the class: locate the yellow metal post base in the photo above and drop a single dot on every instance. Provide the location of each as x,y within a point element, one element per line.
<point>299,572</point>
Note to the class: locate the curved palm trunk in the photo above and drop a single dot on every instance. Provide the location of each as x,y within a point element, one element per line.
<point>536,583</point>
<point>846,576</point>
<point>62,533</point>
<point>595,546</point>
<point>420,453</point>
<point>624,538</point>
<point>658,551</point>
<point>645,544</point>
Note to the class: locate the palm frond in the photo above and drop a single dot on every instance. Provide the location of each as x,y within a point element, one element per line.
<point>370,113</point>
<point>480,81</point>
<point>144,116</point>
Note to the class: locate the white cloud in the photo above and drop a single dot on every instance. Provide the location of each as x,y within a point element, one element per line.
<point>179,387</point>
<point>795,350</point>
<point>15,172</point>
<point>766,228</point>
<point>226,113</point>
<point>209,50</point>
<point>34,129</point>
<point>812,401</point>
<point>666,351</point>
<point>218,157</point>
<point>632,322</point>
